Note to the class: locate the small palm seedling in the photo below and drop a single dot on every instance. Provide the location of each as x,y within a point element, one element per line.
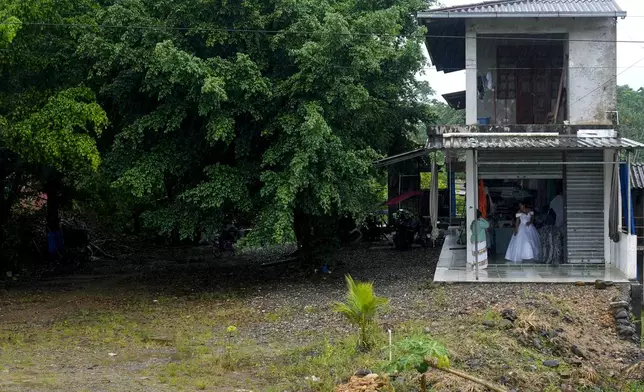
<point>416,353</point>
<point>361,308</point>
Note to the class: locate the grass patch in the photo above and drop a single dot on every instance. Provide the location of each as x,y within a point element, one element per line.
<point>439,297</point>
<point>322,365</point>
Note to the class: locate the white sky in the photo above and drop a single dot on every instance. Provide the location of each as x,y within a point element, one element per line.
<point>629,29</point>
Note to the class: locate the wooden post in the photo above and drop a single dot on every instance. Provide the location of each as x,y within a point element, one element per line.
<point>561,82</point>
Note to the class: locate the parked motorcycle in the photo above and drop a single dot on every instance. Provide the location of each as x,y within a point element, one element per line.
<point>410,229</point>
<point>225,241</point>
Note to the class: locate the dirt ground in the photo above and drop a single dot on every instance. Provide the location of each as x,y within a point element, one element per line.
<point>151,325</point>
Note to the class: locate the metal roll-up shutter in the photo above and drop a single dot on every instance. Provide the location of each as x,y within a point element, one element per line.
<point>538,170</point>
<point>585,207</point>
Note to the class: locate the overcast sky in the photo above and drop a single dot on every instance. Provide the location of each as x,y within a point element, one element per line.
<point>629,29</point>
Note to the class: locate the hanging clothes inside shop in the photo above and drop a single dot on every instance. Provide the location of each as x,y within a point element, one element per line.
<point>482,200</point>
<point>551,189</point>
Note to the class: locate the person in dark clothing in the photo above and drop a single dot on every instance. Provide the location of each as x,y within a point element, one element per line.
<point>551,240</point>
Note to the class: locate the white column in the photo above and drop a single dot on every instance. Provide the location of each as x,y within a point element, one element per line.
<point>471,191</point>
<point>471,101</point>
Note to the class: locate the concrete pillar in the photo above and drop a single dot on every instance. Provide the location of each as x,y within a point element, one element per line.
<point>471,192</point>
<point>471,100</point>
<point>608,176</point>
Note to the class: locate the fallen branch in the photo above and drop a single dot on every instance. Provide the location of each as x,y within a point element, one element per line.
<point>102,251</point>
<point>431,362</point>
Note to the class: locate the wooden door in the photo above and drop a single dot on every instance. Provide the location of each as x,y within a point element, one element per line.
<point>525,98</point>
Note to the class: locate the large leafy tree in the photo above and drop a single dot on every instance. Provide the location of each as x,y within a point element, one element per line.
<point>48,121</point>
<point>630,104</point>
<point>268,112</point>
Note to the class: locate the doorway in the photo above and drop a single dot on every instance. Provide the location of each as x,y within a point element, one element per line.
<point>533,75</point>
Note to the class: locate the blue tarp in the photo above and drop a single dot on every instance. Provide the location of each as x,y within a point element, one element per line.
<point>55,242</point>
<point>625,187</point>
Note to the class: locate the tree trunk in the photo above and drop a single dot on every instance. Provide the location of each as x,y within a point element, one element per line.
<point>54,232</point>
<point>9,191</point>
<point>304,236</point>
<point>52,189</point>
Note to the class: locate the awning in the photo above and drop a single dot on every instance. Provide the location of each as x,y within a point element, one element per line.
<point>637,176</point>
<point>403,197</point>
<point>400,157</point>
<point>512,141</point>
<point>455,100</point>
<point>462,141</point>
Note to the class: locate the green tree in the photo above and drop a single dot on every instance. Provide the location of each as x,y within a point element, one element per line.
<point>630,105</point>
<point>445,115</point>
<point>48,121</point>
<point>266,112</point>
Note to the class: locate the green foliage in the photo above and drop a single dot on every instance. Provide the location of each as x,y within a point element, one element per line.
<point>630,104</point>
<point>414,352</point>
<point>211,126</point>
<point>445,115</point>
<point>62,133</point>
<point>9,26</point>
<point>361,308</point>
<point>208,126</point>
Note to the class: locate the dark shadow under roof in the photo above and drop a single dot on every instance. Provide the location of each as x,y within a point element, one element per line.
<point>455,100</point>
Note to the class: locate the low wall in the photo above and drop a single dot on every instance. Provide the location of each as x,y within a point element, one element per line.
<point>623,255</point>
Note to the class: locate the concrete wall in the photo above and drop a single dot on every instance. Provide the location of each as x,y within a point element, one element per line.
<point>624,254</point>
<point>591,81</point>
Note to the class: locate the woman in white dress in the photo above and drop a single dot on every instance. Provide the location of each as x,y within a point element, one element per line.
<point>525,244</point>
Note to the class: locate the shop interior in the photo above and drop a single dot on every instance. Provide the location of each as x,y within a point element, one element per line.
<point>499,202</point>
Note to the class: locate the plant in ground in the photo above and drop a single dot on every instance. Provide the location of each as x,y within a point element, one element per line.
<point>361,308</point>
<point>421,352</point>
<point>229,361</point>
<point>412,353</point>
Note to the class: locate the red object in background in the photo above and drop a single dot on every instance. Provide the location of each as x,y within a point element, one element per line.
<point>482,200</point>
<point>403,197</point>
<point>31,199</point>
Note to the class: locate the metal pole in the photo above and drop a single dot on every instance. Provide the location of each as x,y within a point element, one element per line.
<point>399,187</point>
<point>451,190</point>
<point>476,214</point>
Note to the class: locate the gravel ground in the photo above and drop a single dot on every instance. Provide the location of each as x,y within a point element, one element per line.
<point>279,308</point>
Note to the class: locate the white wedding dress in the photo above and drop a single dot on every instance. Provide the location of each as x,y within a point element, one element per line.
<point>525,245</point>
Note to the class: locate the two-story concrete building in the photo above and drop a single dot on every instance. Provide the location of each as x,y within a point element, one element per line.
<point>540,104</point>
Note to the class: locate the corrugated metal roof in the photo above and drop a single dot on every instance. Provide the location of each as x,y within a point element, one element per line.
<point>637,176</point>
<point>512,142</point>
<point>543,8</point>
<point>456,142</point>
<point>400,157</point>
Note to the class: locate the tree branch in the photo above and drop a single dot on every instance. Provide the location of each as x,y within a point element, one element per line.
<point>497,388</point>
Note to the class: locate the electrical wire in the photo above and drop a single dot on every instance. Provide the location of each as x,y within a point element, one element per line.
<point>265,31</point>
<point>610,80</point>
